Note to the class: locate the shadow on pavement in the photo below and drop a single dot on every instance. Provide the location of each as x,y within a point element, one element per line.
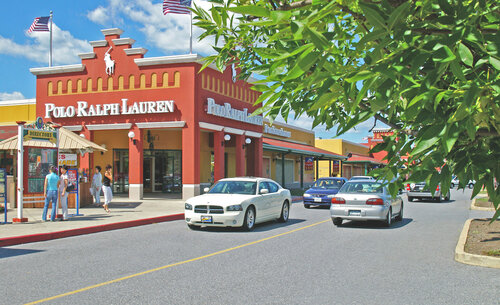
<point>417,201</point>
<point>375,224</point>
<point>261,227</point>
<point>6,252</point>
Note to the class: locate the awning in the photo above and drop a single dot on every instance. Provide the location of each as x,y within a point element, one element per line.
<point>363,159</point>
<point>68,140</point>
<point>300,149</point>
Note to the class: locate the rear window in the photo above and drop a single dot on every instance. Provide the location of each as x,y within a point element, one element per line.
<point>362,187</point>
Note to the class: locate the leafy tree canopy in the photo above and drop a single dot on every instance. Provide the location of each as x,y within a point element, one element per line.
<point>429,69</point>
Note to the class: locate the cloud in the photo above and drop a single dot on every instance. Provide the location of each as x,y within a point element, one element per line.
<point>16,95</point>
<point>169,33</point>
<point>65,47</point>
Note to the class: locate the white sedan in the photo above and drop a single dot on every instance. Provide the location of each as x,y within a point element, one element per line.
<point>239,202</point>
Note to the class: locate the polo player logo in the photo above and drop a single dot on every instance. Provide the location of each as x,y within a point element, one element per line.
<point>110,64</point>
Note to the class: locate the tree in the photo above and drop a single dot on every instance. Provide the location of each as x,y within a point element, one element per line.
<point>429,69</point>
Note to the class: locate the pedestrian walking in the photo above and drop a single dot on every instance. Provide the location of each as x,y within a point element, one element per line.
<point>50,193</point>
<point>63,192</point>
<point>106,187</point>
<point>97,185</point>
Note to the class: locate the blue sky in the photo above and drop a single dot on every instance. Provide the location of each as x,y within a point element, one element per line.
<point>77,23</point>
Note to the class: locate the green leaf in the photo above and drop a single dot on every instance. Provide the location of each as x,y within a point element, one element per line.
<point>317,38</point>
<point>428,139</point>
<point>457,70</point>
<point>279,16</point>
<point>305,61</point>
<point>373,16</point>
<point>398,14</point>
<point>373,35</point>
<point>495,62</point>
<point>325,99</point>
<point>465,55</point>
<point>443,54</point>
<point>446,7</point>
<point>360,76</point>
<point>253,10</point>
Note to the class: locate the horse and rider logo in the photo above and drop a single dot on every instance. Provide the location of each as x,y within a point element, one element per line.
<point>110,63</point>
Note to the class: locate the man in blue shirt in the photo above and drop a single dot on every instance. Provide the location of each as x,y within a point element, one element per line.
<point>50,193</point>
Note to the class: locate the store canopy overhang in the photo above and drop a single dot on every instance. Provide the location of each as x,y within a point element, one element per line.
<point>364,160</point>
<point>68,141</point>
<point>300,149</point>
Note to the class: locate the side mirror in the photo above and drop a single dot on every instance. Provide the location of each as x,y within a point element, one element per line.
<point>400,191</point>
<point>264,191</point>
<point>205,190</point>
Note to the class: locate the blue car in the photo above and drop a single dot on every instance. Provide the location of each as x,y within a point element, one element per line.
<point>322,191</point>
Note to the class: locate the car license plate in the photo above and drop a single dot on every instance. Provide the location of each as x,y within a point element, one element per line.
<point>206,219</point>
<point>316,199</point>
<point>355,213</point>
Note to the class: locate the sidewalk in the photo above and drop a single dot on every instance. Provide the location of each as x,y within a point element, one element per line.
<point>124,213</point>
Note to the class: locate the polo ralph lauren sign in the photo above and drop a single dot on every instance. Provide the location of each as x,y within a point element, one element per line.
<point>226,111</point>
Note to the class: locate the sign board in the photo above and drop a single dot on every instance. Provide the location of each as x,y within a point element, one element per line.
<point>277,132</point>
<point>3,183</point>
<point>335,166</point>
<point>73,178</point>
<point>309,163</point>
<point>44,135</point>
<point>226,111</point>
<point>68,160</point>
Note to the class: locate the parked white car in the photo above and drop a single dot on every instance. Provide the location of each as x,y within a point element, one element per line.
<point>239,202</point>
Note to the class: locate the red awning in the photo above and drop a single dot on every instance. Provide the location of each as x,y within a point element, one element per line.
<point>364,159</point>
<point>301,149</point>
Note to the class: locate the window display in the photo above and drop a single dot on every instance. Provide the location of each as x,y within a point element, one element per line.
<point>39,162</point>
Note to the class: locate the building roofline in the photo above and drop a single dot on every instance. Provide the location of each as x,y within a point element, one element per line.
<point>282,124</point>
<point>30,101</point>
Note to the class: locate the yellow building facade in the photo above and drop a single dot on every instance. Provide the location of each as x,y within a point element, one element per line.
<point>345,169</point>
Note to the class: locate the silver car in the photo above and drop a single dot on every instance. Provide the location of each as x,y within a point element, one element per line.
<point>420,191</point>
<point>365,200</point>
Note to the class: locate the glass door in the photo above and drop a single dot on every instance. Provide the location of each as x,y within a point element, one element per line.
<point>148,174</point>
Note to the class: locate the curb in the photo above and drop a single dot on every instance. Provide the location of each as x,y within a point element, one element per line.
<point>474,207</point>
<point>17,240</point>
<point>473,259</point>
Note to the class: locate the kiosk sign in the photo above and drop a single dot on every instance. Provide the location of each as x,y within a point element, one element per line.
<point>40,131</point>
<point>3,191</point>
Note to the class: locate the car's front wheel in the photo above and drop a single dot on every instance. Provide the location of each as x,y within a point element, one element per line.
<point>307,206</point>
<point>410,199</point>
<point>285,212</point>
<point>400,215</point>
<point>249,221</point>
<point>193,227</point>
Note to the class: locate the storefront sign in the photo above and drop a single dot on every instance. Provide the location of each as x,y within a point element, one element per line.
<point>309,163</point>
<point>67,159</point>
<point>83,109</point>
<point>277,132</point>
<point>73,178</point>
<point>335,166</point>
<point>30,134</point>
<point>226,111</point>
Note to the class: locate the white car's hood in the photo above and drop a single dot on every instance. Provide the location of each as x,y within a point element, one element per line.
<point>219,199</point>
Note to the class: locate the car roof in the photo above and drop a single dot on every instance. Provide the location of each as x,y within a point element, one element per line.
<point>331,178</point>
<point>253,179</point>
<point>365,180</point>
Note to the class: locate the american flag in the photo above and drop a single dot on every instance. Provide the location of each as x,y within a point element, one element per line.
<point>176,6</point>
<point>40,24</point>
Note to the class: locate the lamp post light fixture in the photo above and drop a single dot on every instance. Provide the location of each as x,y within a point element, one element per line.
<point>247,141</point>
<point>131,135</point>
<point>226,138</point>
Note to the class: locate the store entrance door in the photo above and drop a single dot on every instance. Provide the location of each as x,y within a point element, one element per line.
<point>149,174</point>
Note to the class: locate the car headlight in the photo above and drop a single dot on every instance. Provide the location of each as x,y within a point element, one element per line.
<point>236,207</point>
<point>187,206</point>
<point>307,195</point>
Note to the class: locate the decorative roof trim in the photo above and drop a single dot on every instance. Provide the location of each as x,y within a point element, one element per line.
<point>57,69</point>
<point>172,124</point>
<point>109,126</point>
<point>253,134</point>
<point>30,101</point>
<point>123,41</point>
<point>234,130</point>
<point>211,126</point>
<point>74,127</point>
<point>175,59</point>
<point>87,55</point>
<point>135,51</point>
<point>112,31</point>
<point>99,43</point>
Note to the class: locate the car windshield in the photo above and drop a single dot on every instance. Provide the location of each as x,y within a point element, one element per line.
<point>327,184</point>
<point>234,187</point>
<point>362,187</point>
<point>361,178</point>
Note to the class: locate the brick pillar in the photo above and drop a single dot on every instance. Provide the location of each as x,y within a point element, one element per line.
<point>135,164</point>
<point>240,155</point>
<point>218,155</point>
<point>190,161</point>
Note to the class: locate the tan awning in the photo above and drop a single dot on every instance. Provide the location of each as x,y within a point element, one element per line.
<point>68,140</point>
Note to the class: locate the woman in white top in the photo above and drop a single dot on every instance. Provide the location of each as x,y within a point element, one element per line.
<point>97,185</point>
<point>63,183</point>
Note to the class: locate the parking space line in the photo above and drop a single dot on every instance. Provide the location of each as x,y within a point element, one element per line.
<point>174,264</point>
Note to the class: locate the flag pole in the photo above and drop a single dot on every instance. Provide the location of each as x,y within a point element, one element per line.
<point>50,48</point>
<point>191,34</point>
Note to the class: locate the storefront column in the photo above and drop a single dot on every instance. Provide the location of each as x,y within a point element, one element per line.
<point>135,164</point>
<point>301,171</point>
<point>86,160</point>
<point>240,155</point>
<point>190,161</point>
<point>259,156</point>
<point>218,155</point>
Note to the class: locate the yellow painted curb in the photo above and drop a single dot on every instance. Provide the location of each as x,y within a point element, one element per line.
<point>473,259</point>
<point>474,207</point>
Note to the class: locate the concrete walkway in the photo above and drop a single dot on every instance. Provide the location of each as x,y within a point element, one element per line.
<point>124,213</point>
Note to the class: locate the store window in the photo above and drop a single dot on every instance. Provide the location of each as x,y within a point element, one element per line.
<point>120,171</point>
<point>39,162</point>
<point>162,171</point>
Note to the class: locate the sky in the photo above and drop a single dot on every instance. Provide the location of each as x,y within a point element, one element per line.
<point>77,23</point>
